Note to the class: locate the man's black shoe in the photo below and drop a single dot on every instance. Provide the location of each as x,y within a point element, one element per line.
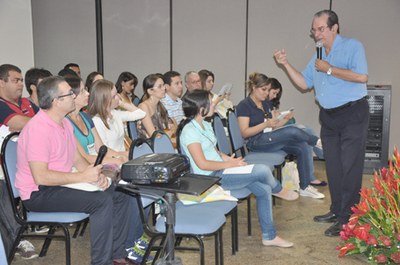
<point>334,230</point>
<point>326,218</point>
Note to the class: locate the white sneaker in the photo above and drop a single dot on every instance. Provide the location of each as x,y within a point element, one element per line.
<point>312,192</point>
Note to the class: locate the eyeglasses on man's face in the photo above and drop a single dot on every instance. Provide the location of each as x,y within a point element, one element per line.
<point>319,30</point>
<point>70,93</point>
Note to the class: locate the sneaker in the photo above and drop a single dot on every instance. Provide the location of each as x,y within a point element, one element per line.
<point>40,229</point>
<point>136,253</point>
<point>312,192</point>
<point>26,250</point>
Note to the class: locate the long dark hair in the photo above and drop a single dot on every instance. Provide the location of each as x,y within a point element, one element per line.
<point>192,103</point>
<point>148,83</point>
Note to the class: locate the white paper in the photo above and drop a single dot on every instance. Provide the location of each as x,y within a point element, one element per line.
<point>86,186</point>
<point>239,170</point>
<point>225,89</point>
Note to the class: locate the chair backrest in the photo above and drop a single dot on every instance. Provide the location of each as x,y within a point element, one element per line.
<point>136,101</point>
<point>138,148</point>
<point>9,162</point>
<point>161,143</point>
<point>235,135</point>
<point>132,130</point>
<point>222,140</point>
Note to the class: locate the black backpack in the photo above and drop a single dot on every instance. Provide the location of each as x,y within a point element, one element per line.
<point>8,225</point>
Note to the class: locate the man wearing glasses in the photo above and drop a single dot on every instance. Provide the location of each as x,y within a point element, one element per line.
<point>339,79</point>
<point>46,156</point>
<point>15,111</point>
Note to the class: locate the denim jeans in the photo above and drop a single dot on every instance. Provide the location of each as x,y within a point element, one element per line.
<point>318,151</point>
<point>262,184</point>
<point>292,140</point>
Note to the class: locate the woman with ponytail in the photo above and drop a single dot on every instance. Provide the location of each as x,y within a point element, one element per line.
<point>197,140</point>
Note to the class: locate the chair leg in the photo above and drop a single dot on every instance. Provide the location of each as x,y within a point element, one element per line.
<point>217,247</point>
<point>78,226</point>
<point>248,216</point>
<point>47,241</point>
<point>234,221</point>
<point>67,246</point>
<point>84,227</point>
<point>221,247</point>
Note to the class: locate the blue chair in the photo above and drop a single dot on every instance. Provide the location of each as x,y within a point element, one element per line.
<point>185,226</point>
<point>271,159</point>
<point>132,130</point>
<point>226,207</point>
<point>136,101</point>
<point>161,143</point>
<point>190,222</point>
<point>138,148</point>
<point>3,256</point>
<point>241,194</point>
<point>51,219</point>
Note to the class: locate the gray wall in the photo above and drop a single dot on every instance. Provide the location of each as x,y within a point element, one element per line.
<point>16,42</point>
<point>211,34</point>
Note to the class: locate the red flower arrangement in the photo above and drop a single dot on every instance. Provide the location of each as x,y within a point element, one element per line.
<point>374,226</point>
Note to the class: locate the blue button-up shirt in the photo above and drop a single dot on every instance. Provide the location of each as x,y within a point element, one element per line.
<point>331,91</point>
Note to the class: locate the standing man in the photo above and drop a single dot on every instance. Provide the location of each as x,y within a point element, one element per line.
<point>339,79</point>
<point>46,157</point>
<point>172,101</point>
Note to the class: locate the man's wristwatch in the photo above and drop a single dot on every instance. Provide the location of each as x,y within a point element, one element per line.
<point>329,72</point>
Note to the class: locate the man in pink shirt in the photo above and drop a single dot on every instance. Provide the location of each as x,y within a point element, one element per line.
<point>46,156</point>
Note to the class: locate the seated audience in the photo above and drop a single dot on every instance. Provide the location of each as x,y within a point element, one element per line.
<point>84,130</point>
<point>15,111</point>
<point>274,95</point>
<point>157,116</point>
<point>32,79</point>
<point>259,124</point>
<point>91,78</point>
<point>109,122</point>
<point>192,81</point>
<point>46,156</point>
<point>74,67</point>
<point>198,141</point>
<point>172,101</point>
<point>221,102</point>
<point>126,85</point>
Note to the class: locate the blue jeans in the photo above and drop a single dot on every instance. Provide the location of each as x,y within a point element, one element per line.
<point>262,184</point>
<point>292,140</point>
<point>319,152</point>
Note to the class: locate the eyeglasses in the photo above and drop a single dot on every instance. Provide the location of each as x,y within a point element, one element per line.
<point>159,86</point>
<point>319,29</point>
<point>70,93</point>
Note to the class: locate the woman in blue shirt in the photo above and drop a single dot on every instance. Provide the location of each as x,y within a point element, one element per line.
<point>198,141</point>
<point>264,132</point>
<point>84,130</point>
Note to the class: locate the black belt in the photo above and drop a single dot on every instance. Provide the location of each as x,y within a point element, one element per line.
<point>344,106</point>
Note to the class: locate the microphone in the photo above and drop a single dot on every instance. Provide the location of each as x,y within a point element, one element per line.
<point>100,156</point>
<point>318,46</point>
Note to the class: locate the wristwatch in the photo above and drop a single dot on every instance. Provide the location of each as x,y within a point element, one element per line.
<point>329,72</point>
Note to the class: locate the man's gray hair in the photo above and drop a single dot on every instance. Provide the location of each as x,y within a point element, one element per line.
<point>48,91</point>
